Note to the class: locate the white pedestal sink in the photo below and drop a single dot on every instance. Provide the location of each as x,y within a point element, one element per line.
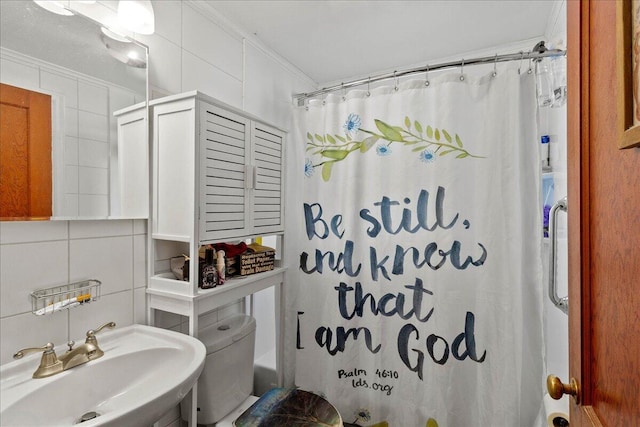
<point>144,372</point>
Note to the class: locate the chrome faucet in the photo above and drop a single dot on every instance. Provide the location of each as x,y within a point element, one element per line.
<point>50,364</point>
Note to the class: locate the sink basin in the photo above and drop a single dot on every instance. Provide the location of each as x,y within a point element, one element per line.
<point>144,372</point>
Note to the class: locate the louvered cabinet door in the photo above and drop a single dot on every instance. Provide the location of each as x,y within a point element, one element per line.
<point>267,152</point>
<point>224,190</point>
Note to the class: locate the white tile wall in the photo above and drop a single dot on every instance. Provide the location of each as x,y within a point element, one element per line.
<point>210,42</point>
<point>36,255</point>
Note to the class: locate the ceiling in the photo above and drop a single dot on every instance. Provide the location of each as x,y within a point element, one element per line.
<point>333,41</point>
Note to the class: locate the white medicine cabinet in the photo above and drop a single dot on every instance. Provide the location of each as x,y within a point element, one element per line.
<point>217,176</point>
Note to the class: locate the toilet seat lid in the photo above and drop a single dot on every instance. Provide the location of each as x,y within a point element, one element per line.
<point>289,407</point>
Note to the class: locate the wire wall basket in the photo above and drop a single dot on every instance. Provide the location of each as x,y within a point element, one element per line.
<point>64,297</point>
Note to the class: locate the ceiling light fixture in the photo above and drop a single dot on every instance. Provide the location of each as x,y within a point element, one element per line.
<point>136,16</point>
<point>128,53</point>
<point>56,7</point>
<point>115,35</point>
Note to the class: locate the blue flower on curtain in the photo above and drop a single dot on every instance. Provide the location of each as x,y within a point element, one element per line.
<point>383,150</point>
<point>308,167</point>
<point>352,125</point>
<point>427,156</point>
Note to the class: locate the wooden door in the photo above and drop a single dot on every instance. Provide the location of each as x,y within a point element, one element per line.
<point>25,154</point>
<point>604,226</point>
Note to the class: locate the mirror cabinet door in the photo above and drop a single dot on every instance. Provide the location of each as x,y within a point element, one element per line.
<point>95,162</point>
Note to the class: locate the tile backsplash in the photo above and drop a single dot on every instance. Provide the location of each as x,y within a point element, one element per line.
<point>36,255</point>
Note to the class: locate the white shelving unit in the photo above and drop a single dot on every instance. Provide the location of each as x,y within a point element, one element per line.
<point>217,177</point>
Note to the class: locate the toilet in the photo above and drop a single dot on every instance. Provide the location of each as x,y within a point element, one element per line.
<point>226,382</point>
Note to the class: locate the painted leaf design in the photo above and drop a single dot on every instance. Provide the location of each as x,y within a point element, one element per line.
<point>436,134</point>
<point>331,139</point>
<point>446,152</point>
<point>447,136</point>
<point>367,143</point>
<point>407,122</point>
<point>432,423</point>
<point>319,138</point>
<point>418,126</point>
<point>326,171</point>
<point>341,138</point>
<point>458,141</point>
<point>388,132</point>
<point>420,148</point>
<point>309,136</point>
<point>335,154</point>
<point>429,132</point>
<point>462,155</point>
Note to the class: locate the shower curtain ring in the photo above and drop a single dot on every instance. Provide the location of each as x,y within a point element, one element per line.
<point>520,65</point>
<point>495,63</point>
<point>462,71</point>
<point>426,77</point>
<point>369,87</point>
<point>344,93</point>
<point>530,70</point>
<point>397,81</point>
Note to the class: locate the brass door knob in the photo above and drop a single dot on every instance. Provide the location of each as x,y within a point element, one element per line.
<point>557,389</point>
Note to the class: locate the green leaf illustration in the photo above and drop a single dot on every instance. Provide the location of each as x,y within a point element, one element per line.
<point>407,122</point>
<point>446,152</point>
<point>462,155</point>
<point>309,136</point>
<point>319,138</point>
<point>335,154</point>
<point>326,171</point>
<point>432,423</point>
<point>458,141</point>
<point>388,132</point>
<point>418,126</point>
<point>341,138</point>
<point>429,132</point>
<point>422,147</point>
<point>331,139</point>
<point>447,136</point>
<point>437,134</point>
<point>368,143</point>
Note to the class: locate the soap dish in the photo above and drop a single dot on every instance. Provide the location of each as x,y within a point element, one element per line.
<point>56,298</point>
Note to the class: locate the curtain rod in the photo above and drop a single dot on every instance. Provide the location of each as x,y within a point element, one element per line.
<point>542,52</point>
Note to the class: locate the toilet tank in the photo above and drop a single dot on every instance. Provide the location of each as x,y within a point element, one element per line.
<point>227,378</point>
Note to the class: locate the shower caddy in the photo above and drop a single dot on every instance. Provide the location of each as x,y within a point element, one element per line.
<point>217,176</point>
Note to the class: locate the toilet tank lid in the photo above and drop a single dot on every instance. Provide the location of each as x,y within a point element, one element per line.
<point>224,333</point>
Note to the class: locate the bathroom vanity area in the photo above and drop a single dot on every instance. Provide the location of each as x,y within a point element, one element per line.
<point>217,176</point>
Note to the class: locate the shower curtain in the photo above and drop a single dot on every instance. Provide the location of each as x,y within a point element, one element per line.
<point>419,283</point>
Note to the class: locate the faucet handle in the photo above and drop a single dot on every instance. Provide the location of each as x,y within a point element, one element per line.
<point>70,344</point>
<point>91,334</point>
<point>46,349</point>
<point>49,363</point>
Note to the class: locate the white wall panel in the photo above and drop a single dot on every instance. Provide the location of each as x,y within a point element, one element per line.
<point>201,37</point>
<point>200,75</point>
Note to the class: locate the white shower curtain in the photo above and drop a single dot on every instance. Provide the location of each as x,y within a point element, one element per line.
<point>419,285</point>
